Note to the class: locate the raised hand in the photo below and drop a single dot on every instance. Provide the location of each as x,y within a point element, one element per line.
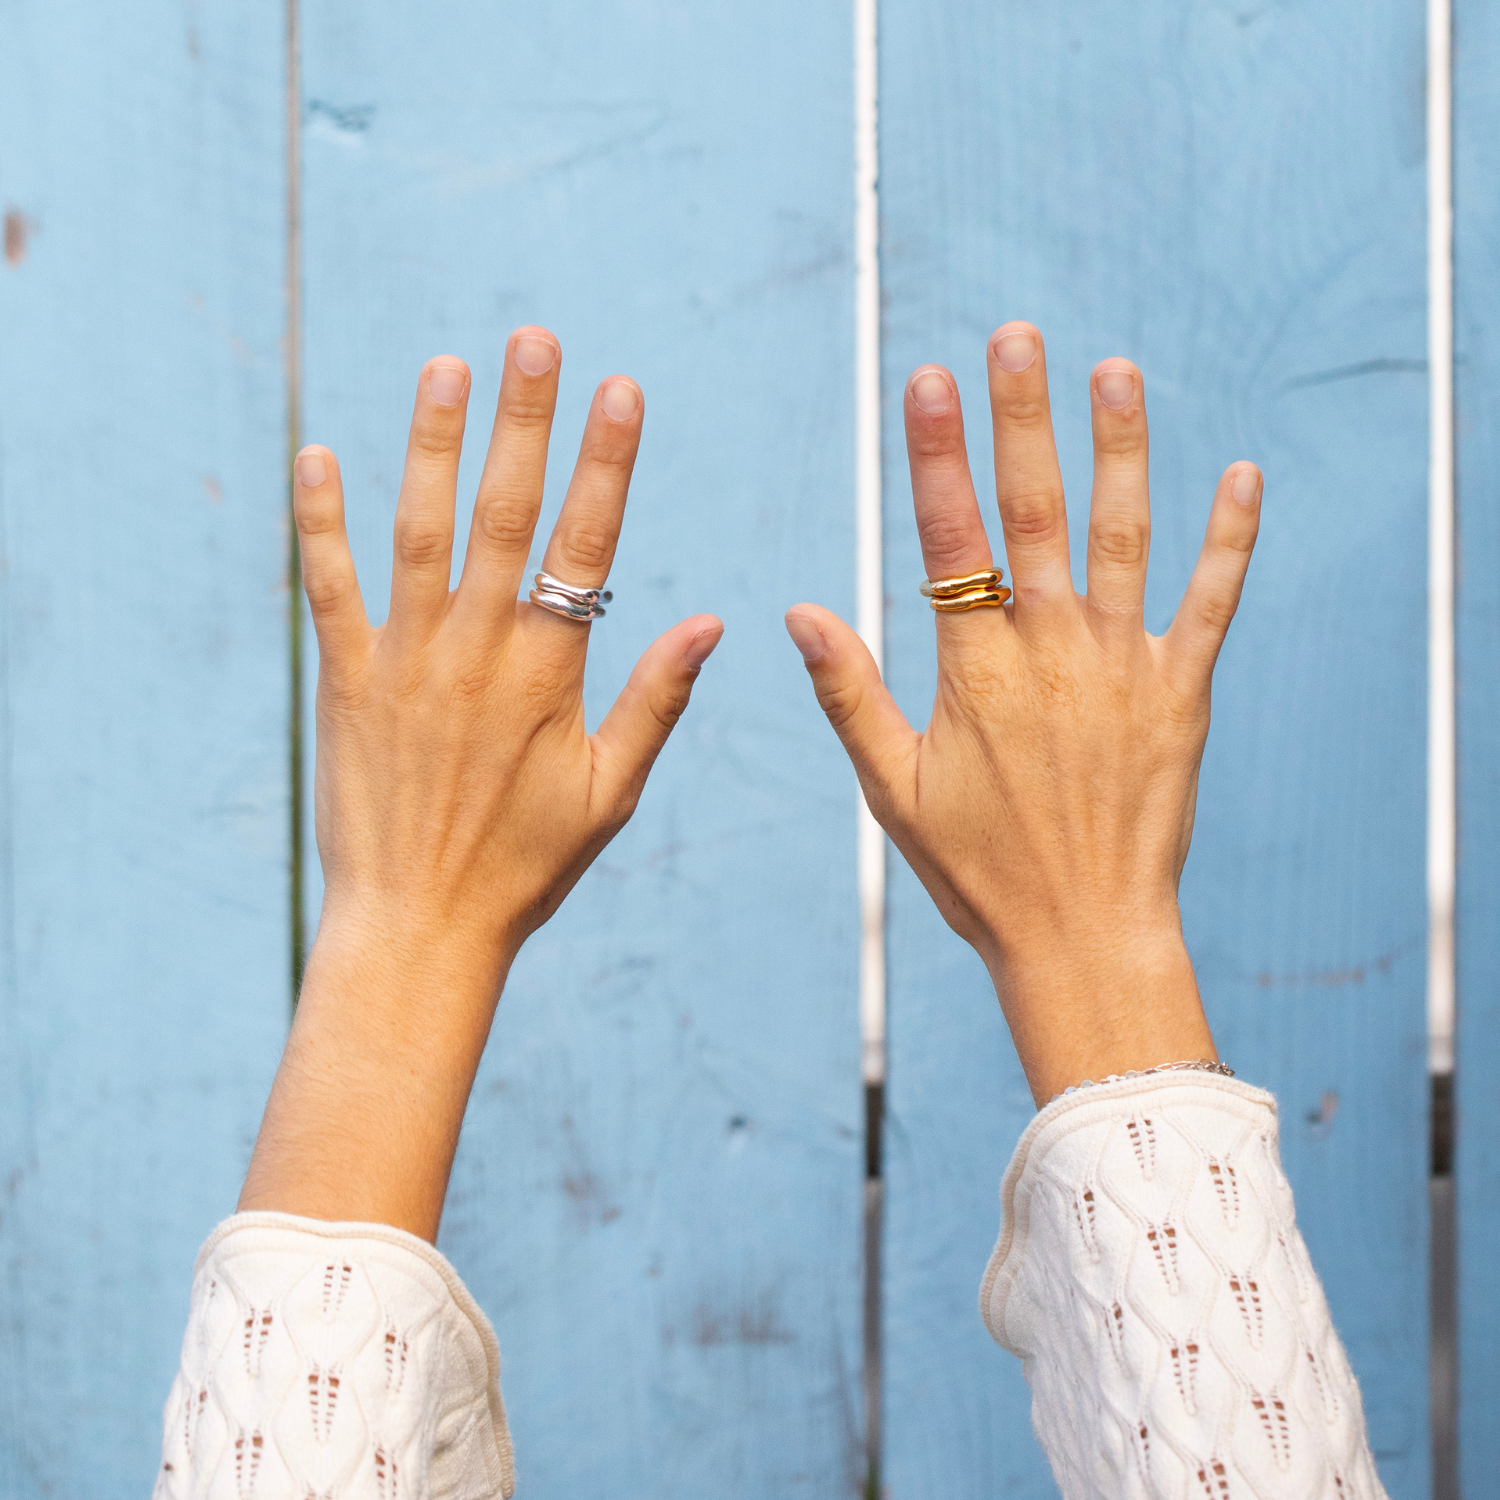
<point>1048,806</point>
<point>458,795</point>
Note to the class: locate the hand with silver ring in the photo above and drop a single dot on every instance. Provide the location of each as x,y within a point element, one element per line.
<point>458,794</point>
<point>1048,805</point>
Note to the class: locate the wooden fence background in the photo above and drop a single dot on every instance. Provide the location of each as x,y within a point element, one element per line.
<point>659,1195</point>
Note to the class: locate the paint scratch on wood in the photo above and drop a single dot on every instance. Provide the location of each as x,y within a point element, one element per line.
<point>1355,973</point>
<point>17,236</point>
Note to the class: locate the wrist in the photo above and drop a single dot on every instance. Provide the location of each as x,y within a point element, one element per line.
<point>1082,1009</point>
<point>364,1116</point>
<point>405,938</point>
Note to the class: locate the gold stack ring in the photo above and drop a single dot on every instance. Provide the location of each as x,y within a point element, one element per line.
<point>972,591</point>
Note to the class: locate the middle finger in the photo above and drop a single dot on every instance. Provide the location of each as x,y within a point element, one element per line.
<point>510,488</point>
<point>1028,483</point>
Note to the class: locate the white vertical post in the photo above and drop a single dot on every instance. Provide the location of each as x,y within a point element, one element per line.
<point>292,355</point>
<point>1442,799</point>
<point>869,578</point>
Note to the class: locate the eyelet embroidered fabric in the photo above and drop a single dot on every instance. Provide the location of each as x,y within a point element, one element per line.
<point>1150,1276</point>
<point>332,1362</point>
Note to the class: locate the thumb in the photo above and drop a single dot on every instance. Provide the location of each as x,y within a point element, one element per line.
<point>627,743</point>
<point>859,706</point>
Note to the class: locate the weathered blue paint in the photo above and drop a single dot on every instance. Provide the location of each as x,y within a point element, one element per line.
<point>1234,197</point>
<point>658,1193</point>
<point>1476,193</point>
<point>143,696</point>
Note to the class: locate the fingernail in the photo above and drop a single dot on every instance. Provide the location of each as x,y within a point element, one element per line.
<point>620,400</point>
<point>1246,485</point>
<point>447,384</point>
<point>1014,352</point>
<point>701,647</point>
<point>807,637</point>
<point>311,470</point>
<point>931,392</point>
<point>535,356</point>
<point>1116,388</point>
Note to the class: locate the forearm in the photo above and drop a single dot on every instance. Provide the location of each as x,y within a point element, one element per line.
<point>363,1119</point>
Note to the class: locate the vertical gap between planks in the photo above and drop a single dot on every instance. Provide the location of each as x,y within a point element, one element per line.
<point>1441,796</point>
<point>1441,751</point>
<point>870,622</point>
<point>292,354</point>
<point>869,559</point>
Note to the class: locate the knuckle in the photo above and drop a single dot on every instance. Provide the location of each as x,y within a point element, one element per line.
<point>1237,547</point>
<point>1214,611</point>
<point>1185,709</point>
<point>1121,435</point>
<point>470,683</point>
<point>319,520</point>
<point>422,543</point>
<point>586,546</point>
<point>504,525</point>
<point>1120,540</point>
<point>1023,410</point>
<point>667,710</point>
<point>525,412</point>
<point>618,812</point>
<point>1033,515</point>
<point>840,702</point>
<point>940,438</point>
<point>341,689</point>
<point>609,454</point>
<point>945,539</point>
<point>985,692</point>
<point>536,695</point>
<point>326,593</point>
<point>435,440</point>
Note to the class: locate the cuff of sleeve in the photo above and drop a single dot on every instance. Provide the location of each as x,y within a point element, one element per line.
<point>1063,1119</point>
<point>465,1409</point>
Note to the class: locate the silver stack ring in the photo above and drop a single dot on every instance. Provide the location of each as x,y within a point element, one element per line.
<point>569,601</point>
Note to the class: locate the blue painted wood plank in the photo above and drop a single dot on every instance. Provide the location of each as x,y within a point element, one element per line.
<point>1476,247</point>
<point>1234,197</point>
<point>143,693</point>
<point>658,1194</point>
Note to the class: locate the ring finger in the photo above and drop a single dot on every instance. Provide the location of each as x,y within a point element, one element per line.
<point>1120,510</point>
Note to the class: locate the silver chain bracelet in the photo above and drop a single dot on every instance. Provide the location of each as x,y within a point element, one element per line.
<point>1198,1065</point>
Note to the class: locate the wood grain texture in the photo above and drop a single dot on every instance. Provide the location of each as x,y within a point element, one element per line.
<point>143,697</point>
<point>1234,197</point>
<point>658,1193</point>
<point>1476,202</point>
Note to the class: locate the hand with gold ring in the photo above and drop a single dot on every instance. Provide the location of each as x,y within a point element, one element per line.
<point>1048,805</point>
<point>458,795</point>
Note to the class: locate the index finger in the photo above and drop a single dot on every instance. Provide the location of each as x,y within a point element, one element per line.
<point>1213,593</point>
<point>581,548</point>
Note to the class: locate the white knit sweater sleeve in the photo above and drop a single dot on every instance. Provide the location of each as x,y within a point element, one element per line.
<point>332,1362</point>
<point>1151,1278</point>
